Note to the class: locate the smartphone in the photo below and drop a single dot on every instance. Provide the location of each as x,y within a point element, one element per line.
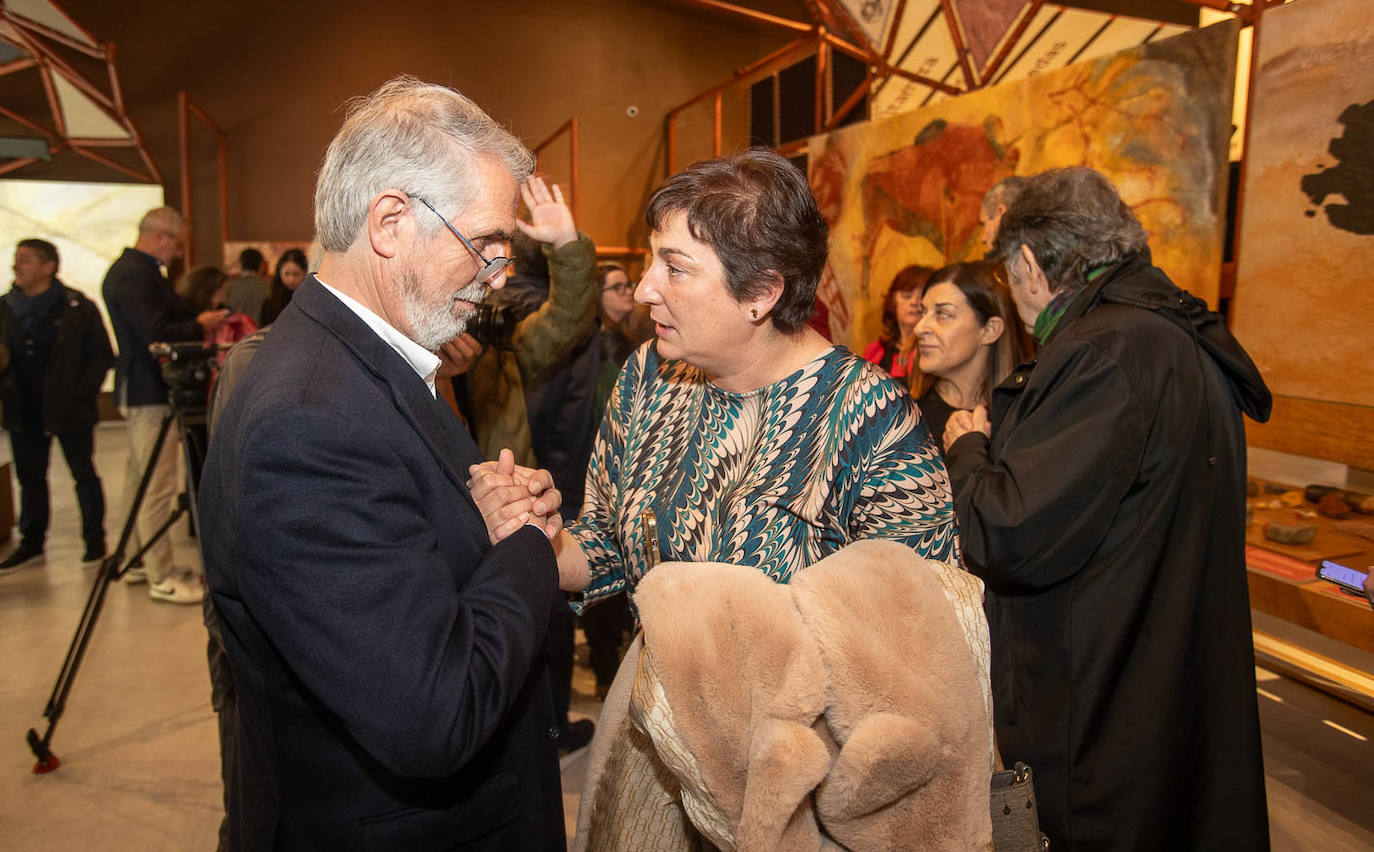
<point>1350,580</point>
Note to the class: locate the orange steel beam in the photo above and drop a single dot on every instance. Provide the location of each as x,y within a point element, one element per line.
<point>749,74</point>
<point>822,79</point>
<point>569,127</point>
<point>892,33</point>
<point>14,116</point>
<point>119,167</point>
<point>17,65</point>
<point>185,109</point>
<point>16,164</point>
<point>58,119</point>
<point>893,71</point>
<point>838,20</point>
<point>857,52</point>
<point>116,93</point>
<point>97,142</point>
<point>49,59</point>
<point>756,70</point>
<point>751,14</point>
<point>719,120</point>
<point>1010,44</point>
<point>55,35</point>
<point>960,49</point>
<point>845,108</point>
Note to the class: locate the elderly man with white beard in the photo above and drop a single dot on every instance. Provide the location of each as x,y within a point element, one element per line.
<point>387,652</point>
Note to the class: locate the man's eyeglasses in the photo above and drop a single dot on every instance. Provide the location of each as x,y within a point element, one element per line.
<point>493,266</point>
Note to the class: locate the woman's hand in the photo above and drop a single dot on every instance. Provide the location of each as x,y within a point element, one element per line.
<point>510,496</point>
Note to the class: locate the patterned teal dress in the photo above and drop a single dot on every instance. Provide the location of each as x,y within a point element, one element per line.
<point>776,478</point>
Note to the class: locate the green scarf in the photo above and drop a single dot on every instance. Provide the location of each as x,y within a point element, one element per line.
<point>1049,318</point>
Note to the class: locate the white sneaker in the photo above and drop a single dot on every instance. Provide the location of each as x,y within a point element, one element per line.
<point>178,588</point>
<point>134,576</point>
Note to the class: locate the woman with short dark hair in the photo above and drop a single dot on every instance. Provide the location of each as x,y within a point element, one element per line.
<point>740,435</point>
<point>739,424</point>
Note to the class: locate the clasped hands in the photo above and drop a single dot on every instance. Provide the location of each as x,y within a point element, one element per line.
<point>962,422</point>
<point>510,496</point>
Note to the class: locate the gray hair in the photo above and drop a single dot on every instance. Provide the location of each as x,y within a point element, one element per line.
<point>1073,221</point>
<point>162,220</point>
<point>1003,192</point>
<point>414,136</point>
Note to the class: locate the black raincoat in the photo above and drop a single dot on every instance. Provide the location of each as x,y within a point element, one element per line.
<point>1107,517</point>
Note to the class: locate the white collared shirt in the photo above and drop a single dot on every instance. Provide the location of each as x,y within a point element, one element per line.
<point>420,359</point>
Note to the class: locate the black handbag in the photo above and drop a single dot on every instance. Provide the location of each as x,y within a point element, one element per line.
<point>1015,819</point>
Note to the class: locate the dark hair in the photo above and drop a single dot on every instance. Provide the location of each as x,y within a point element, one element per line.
<point>45,249</point>
<point>198,286</point>
<point>1073,221</point>
<point>279,295</point>
<point>250,260</point>
<point>528,254</point>
<point>756,211</point>
<point>605,268</point>
<point>1004,192</point>
<point>985,287</point>
<point>913,277</point>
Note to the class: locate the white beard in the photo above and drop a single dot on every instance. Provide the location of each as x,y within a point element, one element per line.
<point>434,324</point>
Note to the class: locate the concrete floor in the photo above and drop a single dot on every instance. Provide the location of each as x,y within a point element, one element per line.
<point>140,764</point>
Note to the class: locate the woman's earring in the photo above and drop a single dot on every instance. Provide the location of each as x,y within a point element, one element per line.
<point>754,312</point>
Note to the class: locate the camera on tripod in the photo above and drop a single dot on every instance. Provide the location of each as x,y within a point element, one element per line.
<point>494,325</point>
<point>187,368</point>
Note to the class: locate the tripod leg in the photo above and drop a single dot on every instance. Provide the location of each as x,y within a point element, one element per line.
<point>110,570</point>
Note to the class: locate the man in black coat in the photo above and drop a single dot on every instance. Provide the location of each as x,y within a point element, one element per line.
<point>143,309</point>
<point>386,653</point>
<point>1104,506</point>
<point>59,354</point>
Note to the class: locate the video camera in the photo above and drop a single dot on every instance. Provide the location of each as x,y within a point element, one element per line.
<point>494,325</point>
<point>187,368</point>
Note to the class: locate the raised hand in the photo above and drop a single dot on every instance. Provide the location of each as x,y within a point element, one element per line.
<point>551,220</point>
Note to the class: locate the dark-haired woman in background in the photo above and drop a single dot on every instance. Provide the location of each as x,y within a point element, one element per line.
<point>291,271</point>
<point>968,340</point>
<point>894,350</point>
<point>203,288</point>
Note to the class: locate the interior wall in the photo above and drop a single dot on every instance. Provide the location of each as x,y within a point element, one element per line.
<point>532,64</point>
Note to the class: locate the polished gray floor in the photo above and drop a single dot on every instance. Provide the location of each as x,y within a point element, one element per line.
<point>140,764</point>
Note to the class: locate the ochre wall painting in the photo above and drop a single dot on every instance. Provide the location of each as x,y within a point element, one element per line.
<point>1304,304</point>
<point>1154,119</point>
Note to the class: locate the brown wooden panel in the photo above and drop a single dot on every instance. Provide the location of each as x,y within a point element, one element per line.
<point>1341,617</point>
<point>1334,431</point>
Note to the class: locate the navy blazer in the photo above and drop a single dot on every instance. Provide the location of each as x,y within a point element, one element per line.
<point>389,661</point>
<point>144,309</point>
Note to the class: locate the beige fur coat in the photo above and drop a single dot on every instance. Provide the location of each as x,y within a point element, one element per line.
<point>849,709</point>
